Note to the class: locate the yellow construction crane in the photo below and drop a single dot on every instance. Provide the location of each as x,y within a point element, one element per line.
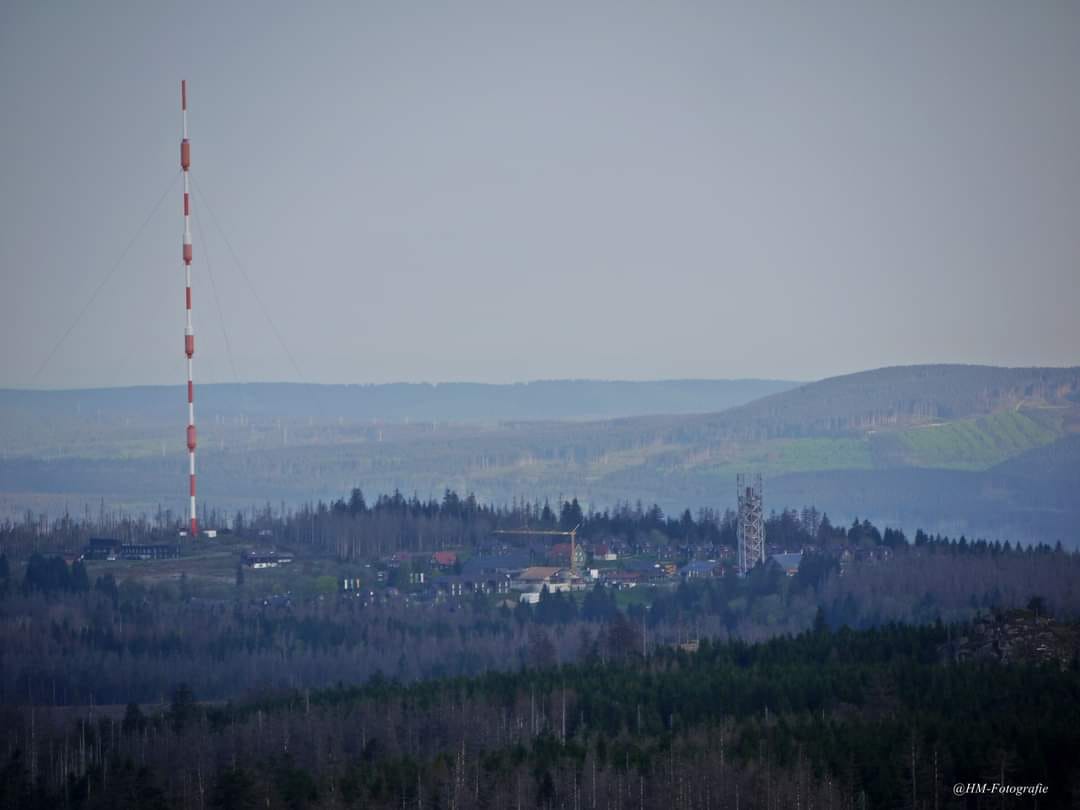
<point>572,534</point>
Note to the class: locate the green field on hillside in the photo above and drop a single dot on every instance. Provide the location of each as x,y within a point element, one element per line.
<point>978,444</point>
<point>779,456</point>
<point>969,444</point>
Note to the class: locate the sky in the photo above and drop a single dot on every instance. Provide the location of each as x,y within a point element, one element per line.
<point>514,191</point>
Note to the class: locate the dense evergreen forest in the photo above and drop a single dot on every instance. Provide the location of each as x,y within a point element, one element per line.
<point>845,719</point>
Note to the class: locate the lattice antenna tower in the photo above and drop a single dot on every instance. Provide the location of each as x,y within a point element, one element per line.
<point>751,525</point>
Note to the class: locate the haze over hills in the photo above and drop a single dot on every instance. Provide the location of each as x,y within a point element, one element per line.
<point>894,397</point>
<point>971,449</point>
<point>396,402</point>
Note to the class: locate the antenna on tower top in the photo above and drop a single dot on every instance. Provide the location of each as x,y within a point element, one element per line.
<point>189,333</point>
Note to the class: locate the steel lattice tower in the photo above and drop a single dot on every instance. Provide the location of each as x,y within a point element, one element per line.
<point>751,527</point>
<point>189,333</point>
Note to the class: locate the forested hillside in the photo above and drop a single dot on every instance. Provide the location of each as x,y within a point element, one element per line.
<point>133,684</point>
<point>896,397</point>
<point>916,446</point>
<point>876,718</point>
<point>393,402</point>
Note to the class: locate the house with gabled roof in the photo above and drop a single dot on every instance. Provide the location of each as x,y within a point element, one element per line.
<point>787,561</point>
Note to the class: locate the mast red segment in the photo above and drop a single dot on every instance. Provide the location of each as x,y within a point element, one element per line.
<point>189,332</point>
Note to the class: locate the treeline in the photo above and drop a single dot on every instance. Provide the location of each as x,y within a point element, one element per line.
<point>352,529</point>
<point>848,719</point>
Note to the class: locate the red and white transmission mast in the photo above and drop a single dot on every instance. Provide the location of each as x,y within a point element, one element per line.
<point>189,333</point>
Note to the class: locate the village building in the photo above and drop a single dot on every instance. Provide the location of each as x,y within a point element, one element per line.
<point>701,569</point>
<point>620,578</point>
<point>787,561</point>
<point>266,559</point>
<point>444,559</point>
<point>559,554</point>
<point>510,563</point>
<point>538,576</point>
<point>602,552</point>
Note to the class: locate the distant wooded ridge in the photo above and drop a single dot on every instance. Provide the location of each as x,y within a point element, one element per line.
<point>454,401</point>
<point>952,448</point>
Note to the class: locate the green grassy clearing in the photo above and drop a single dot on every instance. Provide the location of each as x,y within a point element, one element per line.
<point>977,444</point>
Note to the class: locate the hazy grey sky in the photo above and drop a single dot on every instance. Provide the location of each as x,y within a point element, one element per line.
<point>513,191</point>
